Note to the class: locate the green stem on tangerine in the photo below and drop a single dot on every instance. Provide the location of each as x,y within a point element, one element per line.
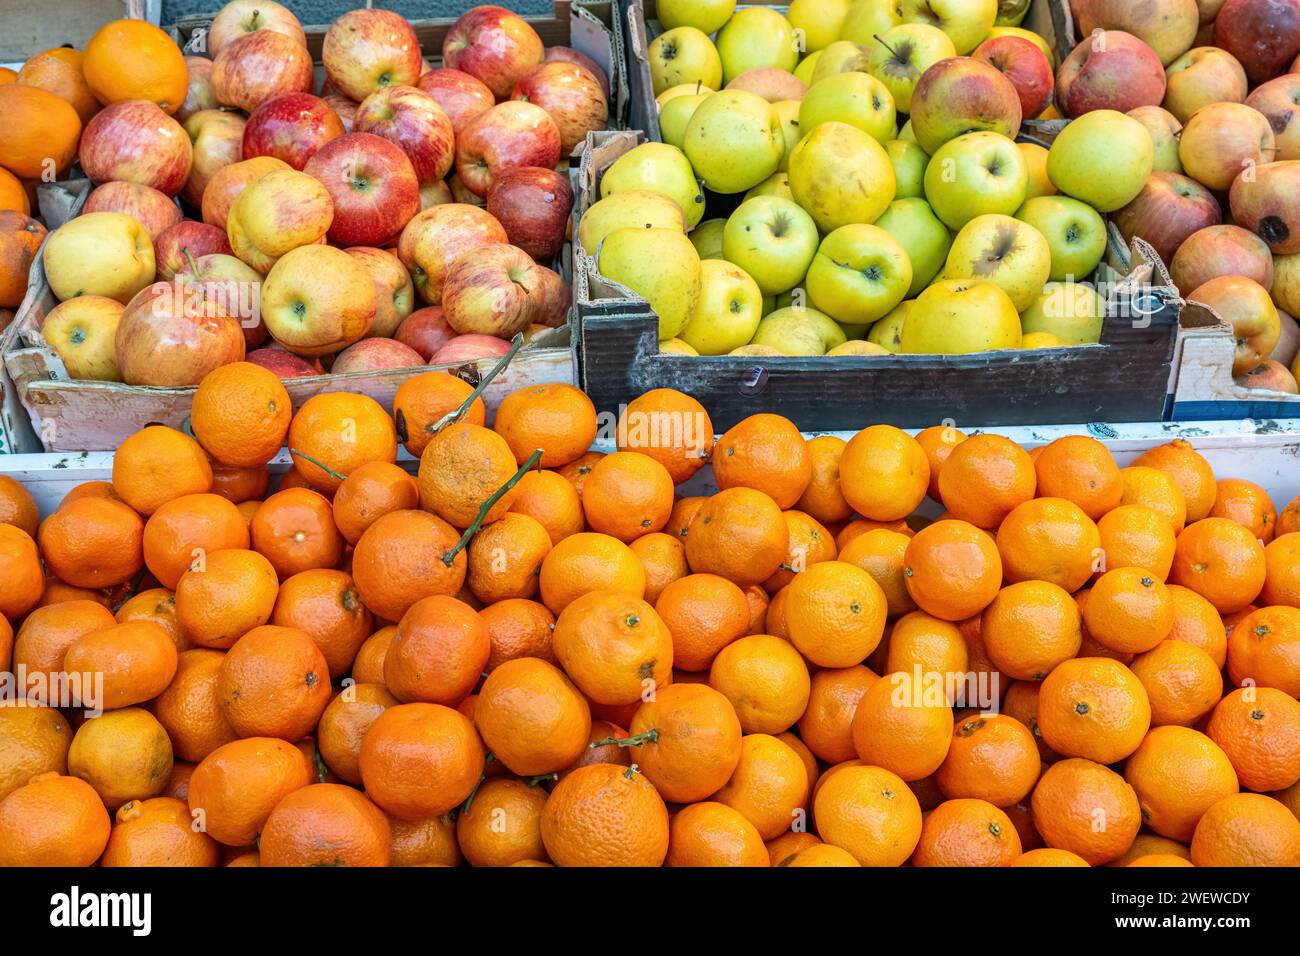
<point>469,801</point>
<point>636,740</point>
<point>458,413</point>
<point>319,464</point>
<point>449,558</point>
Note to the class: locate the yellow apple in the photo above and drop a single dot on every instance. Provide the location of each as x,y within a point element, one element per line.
<point>799,331</point>
<point>778,184</point>
<point>83,331</point>
<point>276,213</point>
<point>728,311</point>
<point>957,316</point>
<point>909,161</point>
<point>707,238</point>
<point>100,253</point>
<point>1040,184</point>
<point>1040,340</point>
<point>858,99</point>
<point>817,22</point>
<point>675,114</point>
<point>1070,311</point>
<point>804,71</point>
<point>860,273</point>
<point>888,332</point>
<point>705,15</point>
<point>634,208</point>
<point>967,22</point>
<point>1102,158</point>
<point>841,175</point>
<point>1007,252</point>
<point>859,347</point>
<point>756,37</point>
<point>676,347</point>
<point>661,266</point>
<point>659,168</point>
<point>788,112</point>
<point>764,351</point>
<point>683,55</point>
<point>867,18</point>
<point>734,141</point>
<point>682,89</point>
<point>840,57</point>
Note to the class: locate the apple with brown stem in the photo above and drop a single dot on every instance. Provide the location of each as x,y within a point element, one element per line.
<point>509,135</point>
<point>175,246</point>
<point>368,49</point>
<point>412,119</point>
<point>291,127</point>
<point>239,17</point>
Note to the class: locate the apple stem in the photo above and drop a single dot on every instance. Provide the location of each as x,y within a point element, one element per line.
<point>321,465</point>
<point>457,414</point>
<point>190,257</point>
<point>484,508</point>
<point>877,38</point>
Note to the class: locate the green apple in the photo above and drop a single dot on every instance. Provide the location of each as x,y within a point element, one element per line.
<point>683,55</point>
<point>796,297</point>
<point>976,174</point>
<point>635,208</point>
<point>909,162</point>
<point>1011,12</point>
<point>788,112</point>
<point>1040,184</point>
<point>841,175</point>
<point>661,266</point>
<point>1008,252</point>
<point>773,240</point>
<point>1165,131</point>
<point>907,134</point>
<point>728,311</point>
<point>957,316</point>
<point>756,37</point>
<point>898,57</point>
<point>675,114</point>
<point>859,274</point>
<point>778,184</point>
<point>707,238</point>
<point>804,71</point>
<point>817,22</point>
<point>888,332</point>
<point>797,331</point>
<point>858,99</point>
<point>682,89</point>
<point>913,223</point>
<point>734,141</point>
<point>967,22</point>
<point>868,18</point>
<point>1104,158</point>
<point>707,16</point>
<point>840,57</point>
<point>659,168</point>
<point>1075,234</point>
<point>1071,311</point>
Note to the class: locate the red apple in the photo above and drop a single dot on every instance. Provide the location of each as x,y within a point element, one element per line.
<point>572,97</point>
<point>283,363</point>
<point>1025,65</point>
<point>1167,26</point>
<point>217,140</point>
<point>376,355</point>
<point>533,204</point>
<point>345,108</point>
<point>566,54</point>
<point>259,66</point>
<point>233,285</point>
<point>425,330</point>
<point>154,210</point>
<point>440,235</point>
<point>1111,70</point>
<point>1202,76</point>
<point>178,246</point>
<point>291,127</point>
<point>507,136</point>
<point>172,334</point>
<point>1221,251</point>
<point>246,16</point>
<point>554,300</point>
<point>1223,140</point>
<point>1279,101</point>
<point>412,119</point>
<point>199,95</point>
<point>962,95</point>
<point>137,142</point>
<point>394,291</point>
<point>373,186</point>
<point>366,50</point>
<point>1264,35</point>
<point>492,291</point>
<point>1266,200</point>
<point>229,181</point>
<point>461,96</point>
<point>1246,306</point>
<point>494,45</point>
<point>769,82</point>
<point>1167,211</point>
<point>470,348</point>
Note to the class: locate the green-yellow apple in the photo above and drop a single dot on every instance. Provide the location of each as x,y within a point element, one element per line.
<point>633,208</point>
<point>682,89</point>
<point>1245,305</point>
<point>99,253</point>
<point>707,238</point>
<point>676,347</point>
<point>756,37</point>
<point>661,266</point>
<point>734,141</point>
<point>973,175</point>
<point>705,15</point>
<point>317,300</point>
<point>728,311</point>
<point>1071,311</point>
<point>765,351</point>
<point>778,184</point>
<point>961,95</point>
<point>967,22</point>
<point>1222,140</point>
<point>909,162</point>
<point>868,18</point>
<point>683,55</point>
<point>1016,31</point>
<point>907,134</point>
<point>659,168</point>
<point>1103,158</point>
<point>957,316</point>
<point>1075,234</point>
<point>841,175</point>
<point>840,57</point>
<point>858,99</point>
<point>770,83</point>
<point>1040,184</point>
<point>772,239</point>
<point>888,332</point>
<point>1202,76</point>
<point>1011,12</point>
<point>788,112</point>
<point>799,331</point>
<point>675,114</point>
<point>913,223</point>
<point>1285,286</point>
<point>1169,27</point>
<point>858,347</point>
<point>1008,252</point>
<point>899,56</point>
<point>859,274</point>
<point>82,331</point>
<point>817,22</point>
<point>1165,130</point>
<point>280,211</point>
<point>804,71</point>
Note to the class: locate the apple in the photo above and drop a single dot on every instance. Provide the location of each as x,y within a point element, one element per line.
<point>887,333</point>
<point>962,95</point>
<point>533,205</point>
<point>229,181</point>
<point>682,89</point>
<point>1167,26</point>
<point>376,355</point>
<point>154,210</point>
<point>291,127</point>
<point>435,193</point>
<point>840,57</point>
<point>564,54</point>
<point>1025,65</point>
<point>462,97</point>
<point>818,22</point>
<point>1035,156</point>
<point>1279,101</point>
<point>1032,37</point>
<point>658,168</point>
<point>317,300</point>
<point>233,287</point>
<point>770,83</point>
<point>1220,251</point>
<point>199,94</point>
<point>344,108</point>
<point>1288,343</point>
<point>707,238</point>
<point>1071,311</point>
<point>509,135</point>
<point>659,265</point>
<point>778,184</point>
<point>373,187</point>
<point>727,312</point>
<point>394,291</point>
<point>470,348</point>
<point>1285,286</point>
<point>135,141</point>
<point>283,364</point>
<point>1167,211</point>
<point>734,141</point>
<point>437,237</point>
<point>411,119</point>
<point>841,176</point>
<point>1271,375</point>
<point>1222,140</point>
<point>492,291</point>
<point>1202,76</point>
<point>674,116</point>
<point>926,240</point>
<point>899,57</point>
<point>958,316</point>
<point>859,274</point>
<point>258,66</point>
<point>493,45</point>
<point>1165,130</point>
<point>1111,70</point>
<point>635,207</point>
<point>1264,35</point>
<point>799,330</point>
<point>1245,305</point>
<point>239,17</point>
<point>1010,253</point>
<point>683,55</point>
<point>973,175</point>
<point>773,240</point>
<point>1075,234</point>
<point>99,253</point>
<point>967,22</point>
<point>175,246</point>
<point>706,15</point>
<point>858,99</point>
<point>554,297</point>
<point>909,162</point>
<point>867,18</point>
<point>171,334</point>
<point>217,141</point>
<point>756,37</point>
<point>571,95</point>
<point>82,331</point>
<point>425,330</point>
<point>1103,158</point>
<point>278,212</point>
<point>368,49</point>
<point>1266,200</point>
